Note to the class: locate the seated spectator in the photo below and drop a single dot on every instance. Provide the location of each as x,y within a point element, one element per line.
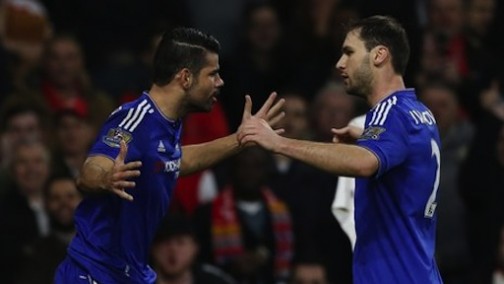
<point>41,258</point>
<point>20,120</point>
<point>247,230</point>
<point>24,28</point>
<point>174,253</point>
<point>200,187</point>
<point>65,83</point>
<point>74,135</point>
<point>24,217</point>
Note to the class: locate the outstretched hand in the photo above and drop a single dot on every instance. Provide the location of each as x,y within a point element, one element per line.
<point>258,128</point>
<point>121,172</point>
<point>271,113</point>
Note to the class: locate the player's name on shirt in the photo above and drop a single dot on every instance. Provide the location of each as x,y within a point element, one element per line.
<point>423,117</point>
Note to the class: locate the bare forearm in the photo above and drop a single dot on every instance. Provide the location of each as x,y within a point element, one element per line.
<point>339,159</point>
<point>201,156</point>
<point>92,178</point>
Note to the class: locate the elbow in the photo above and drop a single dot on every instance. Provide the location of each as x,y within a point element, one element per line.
<point>366,171</point>
<point>82,184</point>
<point>366,167</point>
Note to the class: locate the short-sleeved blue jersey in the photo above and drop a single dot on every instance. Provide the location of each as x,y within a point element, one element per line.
<point>114,235</point>
<point>395,210</point>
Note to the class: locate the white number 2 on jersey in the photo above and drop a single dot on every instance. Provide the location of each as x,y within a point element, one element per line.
<point>430,208</point>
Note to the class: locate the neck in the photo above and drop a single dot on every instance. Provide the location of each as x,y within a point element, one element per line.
<point>169,100</point>
<point>184,278</point>
<point>384,86</point>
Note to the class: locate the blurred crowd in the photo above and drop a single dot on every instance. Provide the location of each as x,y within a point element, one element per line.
<point>257,217</point>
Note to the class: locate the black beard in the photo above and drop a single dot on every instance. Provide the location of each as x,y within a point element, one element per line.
<point>363,78</point>
<point>360,91</point>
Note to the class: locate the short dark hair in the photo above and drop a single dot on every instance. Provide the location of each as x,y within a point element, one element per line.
<point>385,30</point>
<point>174,225</point>
<point>16,107</point>
<point>182,48</point>
<point>54,178</point>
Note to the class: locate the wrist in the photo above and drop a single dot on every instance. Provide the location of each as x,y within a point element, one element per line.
<point>280,147</point>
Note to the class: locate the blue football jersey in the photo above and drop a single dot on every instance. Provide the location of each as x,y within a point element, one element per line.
<point>395,210</point>
<point>114,235</point>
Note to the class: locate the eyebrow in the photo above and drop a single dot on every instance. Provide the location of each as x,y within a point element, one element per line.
<point>215,71</point>
<point>346,49</point>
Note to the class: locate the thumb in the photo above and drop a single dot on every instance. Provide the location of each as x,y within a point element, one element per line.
<point>122,152</point>
<point>339,131</point>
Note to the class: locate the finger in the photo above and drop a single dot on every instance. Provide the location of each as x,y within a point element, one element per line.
<point>339,130</point>
<point>247,139</point>
<point>122,151</point>
<point>267,105</point>
<point>127,174</point>
<point>131,166</point>
<point>275,109</point>
<point>121,193</point>
<point>279,131</point>
<point>123,184</point>
<point>247,110</point>
<point>335,139</point>
<point>272,122</point>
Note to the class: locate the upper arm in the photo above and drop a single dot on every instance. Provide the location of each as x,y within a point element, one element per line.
<point>386,138</point>
<point>108,141</point>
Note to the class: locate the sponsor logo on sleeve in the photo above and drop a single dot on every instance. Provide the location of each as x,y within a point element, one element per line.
<point>115,136</point>
<point>372,132</point>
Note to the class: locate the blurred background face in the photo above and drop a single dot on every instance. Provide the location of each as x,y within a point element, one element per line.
<point>309,274</point>
<point>23,126</point>
<point>295,121</point>
<point>175,256</point>
<point>64,63</point>
<point>447,16</point>
<point>264,28</point>
<point>61,201</point>
<point>31,167</point>
<point>443,105</point>
<point>480,15</point>
<point>333,108</point>
<point>74,135</point>
<point>250,171</point>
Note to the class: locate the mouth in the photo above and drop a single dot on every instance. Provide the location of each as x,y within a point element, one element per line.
<point>214,96</point>
<point>345,77</point>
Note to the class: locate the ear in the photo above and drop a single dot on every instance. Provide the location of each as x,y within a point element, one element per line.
<point>380,55</point>
<point>185,78</point>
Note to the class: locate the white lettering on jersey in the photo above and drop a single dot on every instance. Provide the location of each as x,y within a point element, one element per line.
<point>424,117</point>
<point>172,166</point>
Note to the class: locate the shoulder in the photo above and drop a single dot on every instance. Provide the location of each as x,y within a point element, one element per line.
<point>129,116</point>
<point>405,110</point>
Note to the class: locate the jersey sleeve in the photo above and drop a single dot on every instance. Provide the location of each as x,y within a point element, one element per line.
<point>111,134</point>
<point>387,139</point>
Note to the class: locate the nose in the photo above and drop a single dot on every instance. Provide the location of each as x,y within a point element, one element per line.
<point>220,82</point>
<point>340,65</point>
